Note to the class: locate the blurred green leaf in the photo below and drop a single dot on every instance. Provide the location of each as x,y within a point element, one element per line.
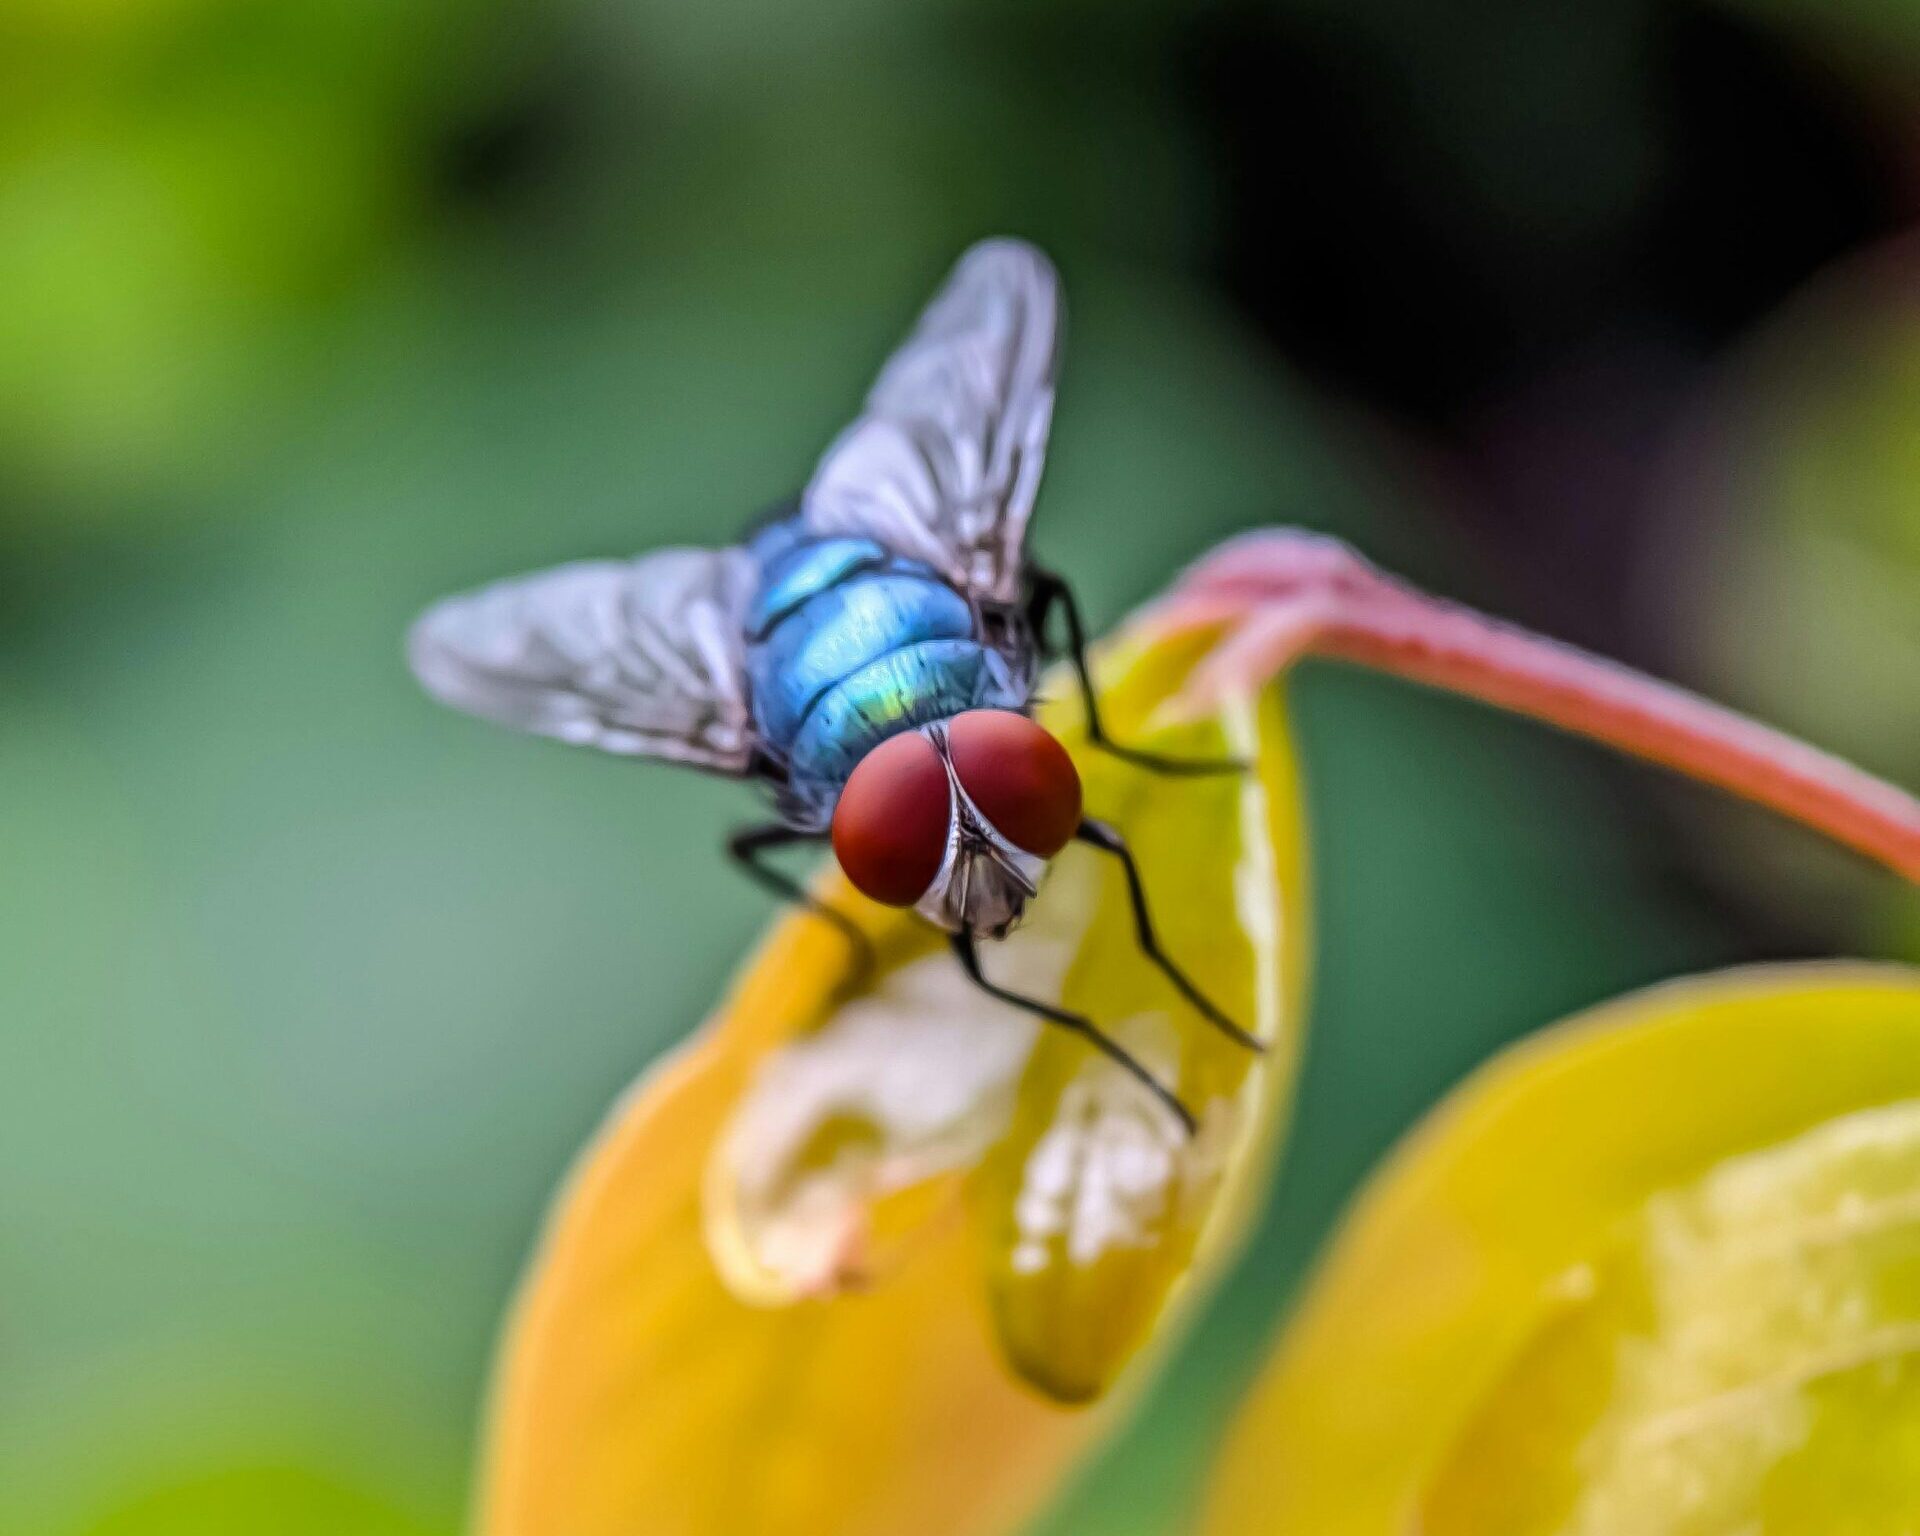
<point>185,188</point>
<point>1812,473</point>
<point>246,1501</point>
<point>1799,492</point>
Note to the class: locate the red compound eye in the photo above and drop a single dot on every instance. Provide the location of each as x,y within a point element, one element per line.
<point>1020,777</point>
<point>890,827</point>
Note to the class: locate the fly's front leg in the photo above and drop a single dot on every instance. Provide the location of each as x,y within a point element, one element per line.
<point>1097,834</point>
<point>747,845</point>
<point>1050,591</point>
<point>969,955</point>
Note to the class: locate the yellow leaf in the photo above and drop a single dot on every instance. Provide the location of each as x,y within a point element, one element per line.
<point>1657,1271</point>
<point>769,1246</point>
<point>1092,1211</point>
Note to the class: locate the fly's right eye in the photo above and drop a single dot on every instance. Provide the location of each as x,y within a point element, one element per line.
<point>1018,777</point>
<point>890,827</point>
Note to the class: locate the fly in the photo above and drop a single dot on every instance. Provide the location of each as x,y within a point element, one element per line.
<point>867,654</point>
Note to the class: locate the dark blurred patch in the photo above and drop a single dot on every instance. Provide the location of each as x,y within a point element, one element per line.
<point>511,150</point>
<point>1775,168</point>
<point>1325,236</point>
<point>1430,214</point>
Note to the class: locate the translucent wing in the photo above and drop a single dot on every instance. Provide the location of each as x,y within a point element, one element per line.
<point>642,657</point>
<point>944,464</point>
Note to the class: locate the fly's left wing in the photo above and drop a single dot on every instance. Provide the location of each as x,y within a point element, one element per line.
<point>642,657</point>
<point>944,463</point>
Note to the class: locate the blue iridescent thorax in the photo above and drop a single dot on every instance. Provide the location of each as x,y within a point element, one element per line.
<point>848,644</point>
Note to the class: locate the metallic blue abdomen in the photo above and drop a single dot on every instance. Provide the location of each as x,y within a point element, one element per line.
<point>837,633</point>
<point>794,569</point>
<point>849,645</point>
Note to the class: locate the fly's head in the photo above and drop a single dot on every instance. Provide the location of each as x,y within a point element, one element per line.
<point>959,819</point>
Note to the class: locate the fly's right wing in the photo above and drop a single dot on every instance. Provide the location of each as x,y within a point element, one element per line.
<point>944,463</point>
<point>641,657</point>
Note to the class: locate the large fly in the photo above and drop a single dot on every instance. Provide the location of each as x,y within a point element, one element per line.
<point>869,653</point>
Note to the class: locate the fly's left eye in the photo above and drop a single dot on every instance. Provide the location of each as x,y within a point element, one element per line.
<point>1020,778</point>
<point>890,827</point>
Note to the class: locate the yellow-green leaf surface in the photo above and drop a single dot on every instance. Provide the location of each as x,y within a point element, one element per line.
<point>804,1231</point>
<point>1093,1211</point>
<point>1655,1272</point>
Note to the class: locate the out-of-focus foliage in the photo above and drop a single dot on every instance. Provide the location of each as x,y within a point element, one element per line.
<point>1809,467</point>
<point>246,1500</point>
<point>1800,473</point>
<point>1876,40</point>
<point>1654,1271</point>
<point>186,186</point>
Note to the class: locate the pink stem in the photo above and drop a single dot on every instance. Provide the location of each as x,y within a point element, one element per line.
<point>1287,595</point>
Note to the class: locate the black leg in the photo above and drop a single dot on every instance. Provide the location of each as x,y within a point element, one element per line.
<point>745,845</point>
<point>1097,834</point>
<point>1050,591</point>
<point>965,948</point>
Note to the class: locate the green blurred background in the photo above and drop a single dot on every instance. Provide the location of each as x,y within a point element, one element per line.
<point>311,310</point>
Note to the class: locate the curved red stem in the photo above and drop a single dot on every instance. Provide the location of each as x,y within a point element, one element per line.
<point>1285,595</point>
